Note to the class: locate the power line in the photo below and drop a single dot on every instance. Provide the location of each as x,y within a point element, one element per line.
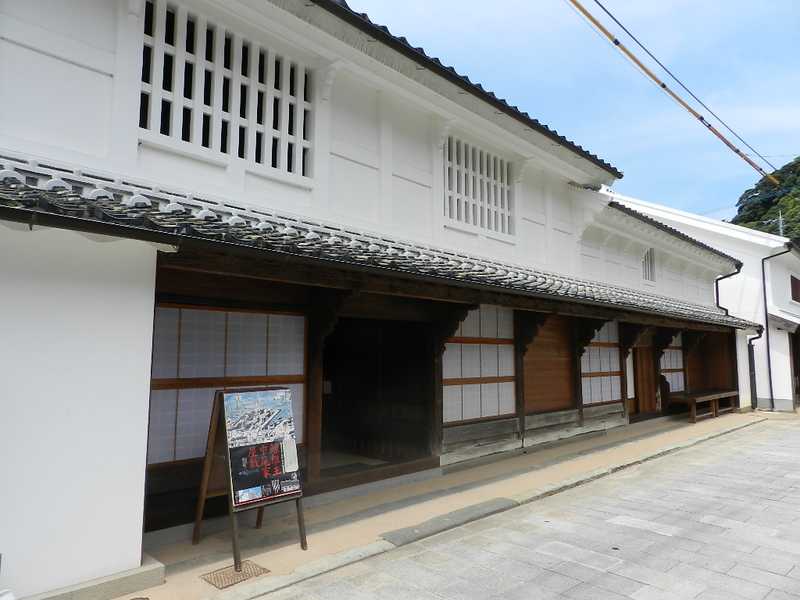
<point>632,57</point>
<point>680,83</point>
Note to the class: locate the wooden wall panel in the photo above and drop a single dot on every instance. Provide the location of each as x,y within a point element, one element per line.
<point>645,379</point>
<point>549,373</point>
<point>711,364</point>
<point>695,370</point>
<point>720,366</point>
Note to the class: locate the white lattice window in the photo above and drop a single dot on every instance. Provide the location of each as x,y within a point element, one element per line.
<point>601,369</point>
<point>671,364</point>
<point>478,367</point>
<point>478,189</point>
<point>205,85</point>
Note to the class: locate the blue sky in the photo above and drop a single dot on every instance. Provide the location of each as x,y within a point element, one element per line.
<point>742,58</point>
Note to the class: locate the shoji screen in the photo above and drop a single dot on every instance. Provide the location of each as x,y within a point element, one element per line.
<point>198,351</point>
<point>601,370</point>
<point>672,364</point>
<point>478,366</point>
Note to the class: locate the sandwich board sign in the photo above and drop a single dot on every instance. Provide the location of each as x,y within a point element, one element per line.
<point>251,456</point>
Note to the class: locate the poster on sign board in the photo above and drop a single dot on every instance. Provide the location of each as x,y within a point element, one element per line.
<point>261,445</point>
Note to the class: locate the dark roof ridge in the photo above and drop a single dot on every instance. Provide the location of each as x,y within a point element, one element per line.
<point>341,9</point>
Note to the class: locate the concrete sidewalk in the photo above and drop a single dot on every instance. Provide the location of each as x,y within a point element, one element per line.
<point>367,523</point>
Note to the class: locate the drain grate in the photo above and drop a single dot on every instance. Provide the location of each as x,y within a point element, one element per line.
<point>225,578</point>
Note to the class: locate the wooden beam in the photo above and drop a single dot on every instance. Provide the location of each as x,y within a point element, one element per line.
<point>329,275</point>
<point>322,317</point>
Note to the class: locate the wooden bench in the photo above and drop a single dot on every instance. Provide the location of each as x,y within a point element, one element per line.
<point>692,399</point>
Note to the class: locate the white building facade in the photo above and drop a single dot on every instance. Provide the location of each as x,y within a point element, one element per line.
<point>766,291</point>
<point>169,158</point>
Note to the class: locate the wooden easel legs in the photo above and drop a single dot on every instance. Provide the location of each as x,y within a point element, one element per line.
<point>301,524</point>
<point>237,553</point>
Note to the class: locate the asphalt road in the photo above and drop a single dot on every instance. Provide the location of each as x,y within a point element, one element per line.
<point>718,521</point>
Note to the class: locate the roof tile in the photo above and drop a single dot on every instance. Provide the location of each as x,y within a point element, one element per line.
<point>341,9</point>
<point>291,236</point>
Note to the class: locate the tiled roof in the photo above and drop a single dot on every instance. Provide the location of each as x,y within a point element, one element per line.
<point>671,230</point>
<point>173,220</point>
<point>362,21</point>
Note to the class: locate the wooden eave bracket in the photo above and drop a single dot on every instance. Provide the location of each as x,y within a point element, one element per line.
<point>584,331</point>
<point>661,339</point>
<point>447,325</point>
<point>629,335</point>
<point>526,328</point>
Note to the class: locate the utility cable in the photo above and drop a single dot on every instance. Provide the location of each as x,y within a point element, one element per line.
<point>632,57</point>
<point>680,83</point>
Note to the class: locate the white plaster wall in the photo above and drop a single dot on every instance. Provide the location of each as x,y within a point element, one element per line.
<point>781,370</point>
<point>377,150</point>
<point>57,50</point>
<point>76,322</point>
<point>743,370</point>
<point>743,294</point>
<point>780,270</point>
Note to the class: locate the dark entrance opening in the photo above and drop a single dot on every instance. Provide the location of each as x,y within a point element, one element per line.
<point>377,395</point>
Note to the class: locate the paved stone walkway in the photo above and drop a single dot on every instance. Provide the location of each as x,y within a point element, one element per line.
<point>719,521</point>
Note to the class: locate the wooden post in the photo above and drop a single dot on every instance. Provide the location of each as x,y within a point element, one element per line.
<point>526,326</point>
<point>629,336</point>
<point>444,328</point>
<point>623,381</point>
<point>735,366</point>
<point>314,407</point>
<point>520,348</point>
<point>661,341</point>
<point>437,421</point>
<point>583,331</point>
<point>322,319</point>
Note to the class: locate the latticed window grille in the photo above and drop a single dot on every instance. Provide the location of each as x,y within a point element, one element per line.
<point>478,188</point>
<point>601,369</point>
<point>210,87</point>
<point>649,265</point>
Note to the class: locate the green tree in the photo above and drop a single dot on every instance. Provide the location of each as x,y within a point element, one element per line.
<point>758,207</point>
